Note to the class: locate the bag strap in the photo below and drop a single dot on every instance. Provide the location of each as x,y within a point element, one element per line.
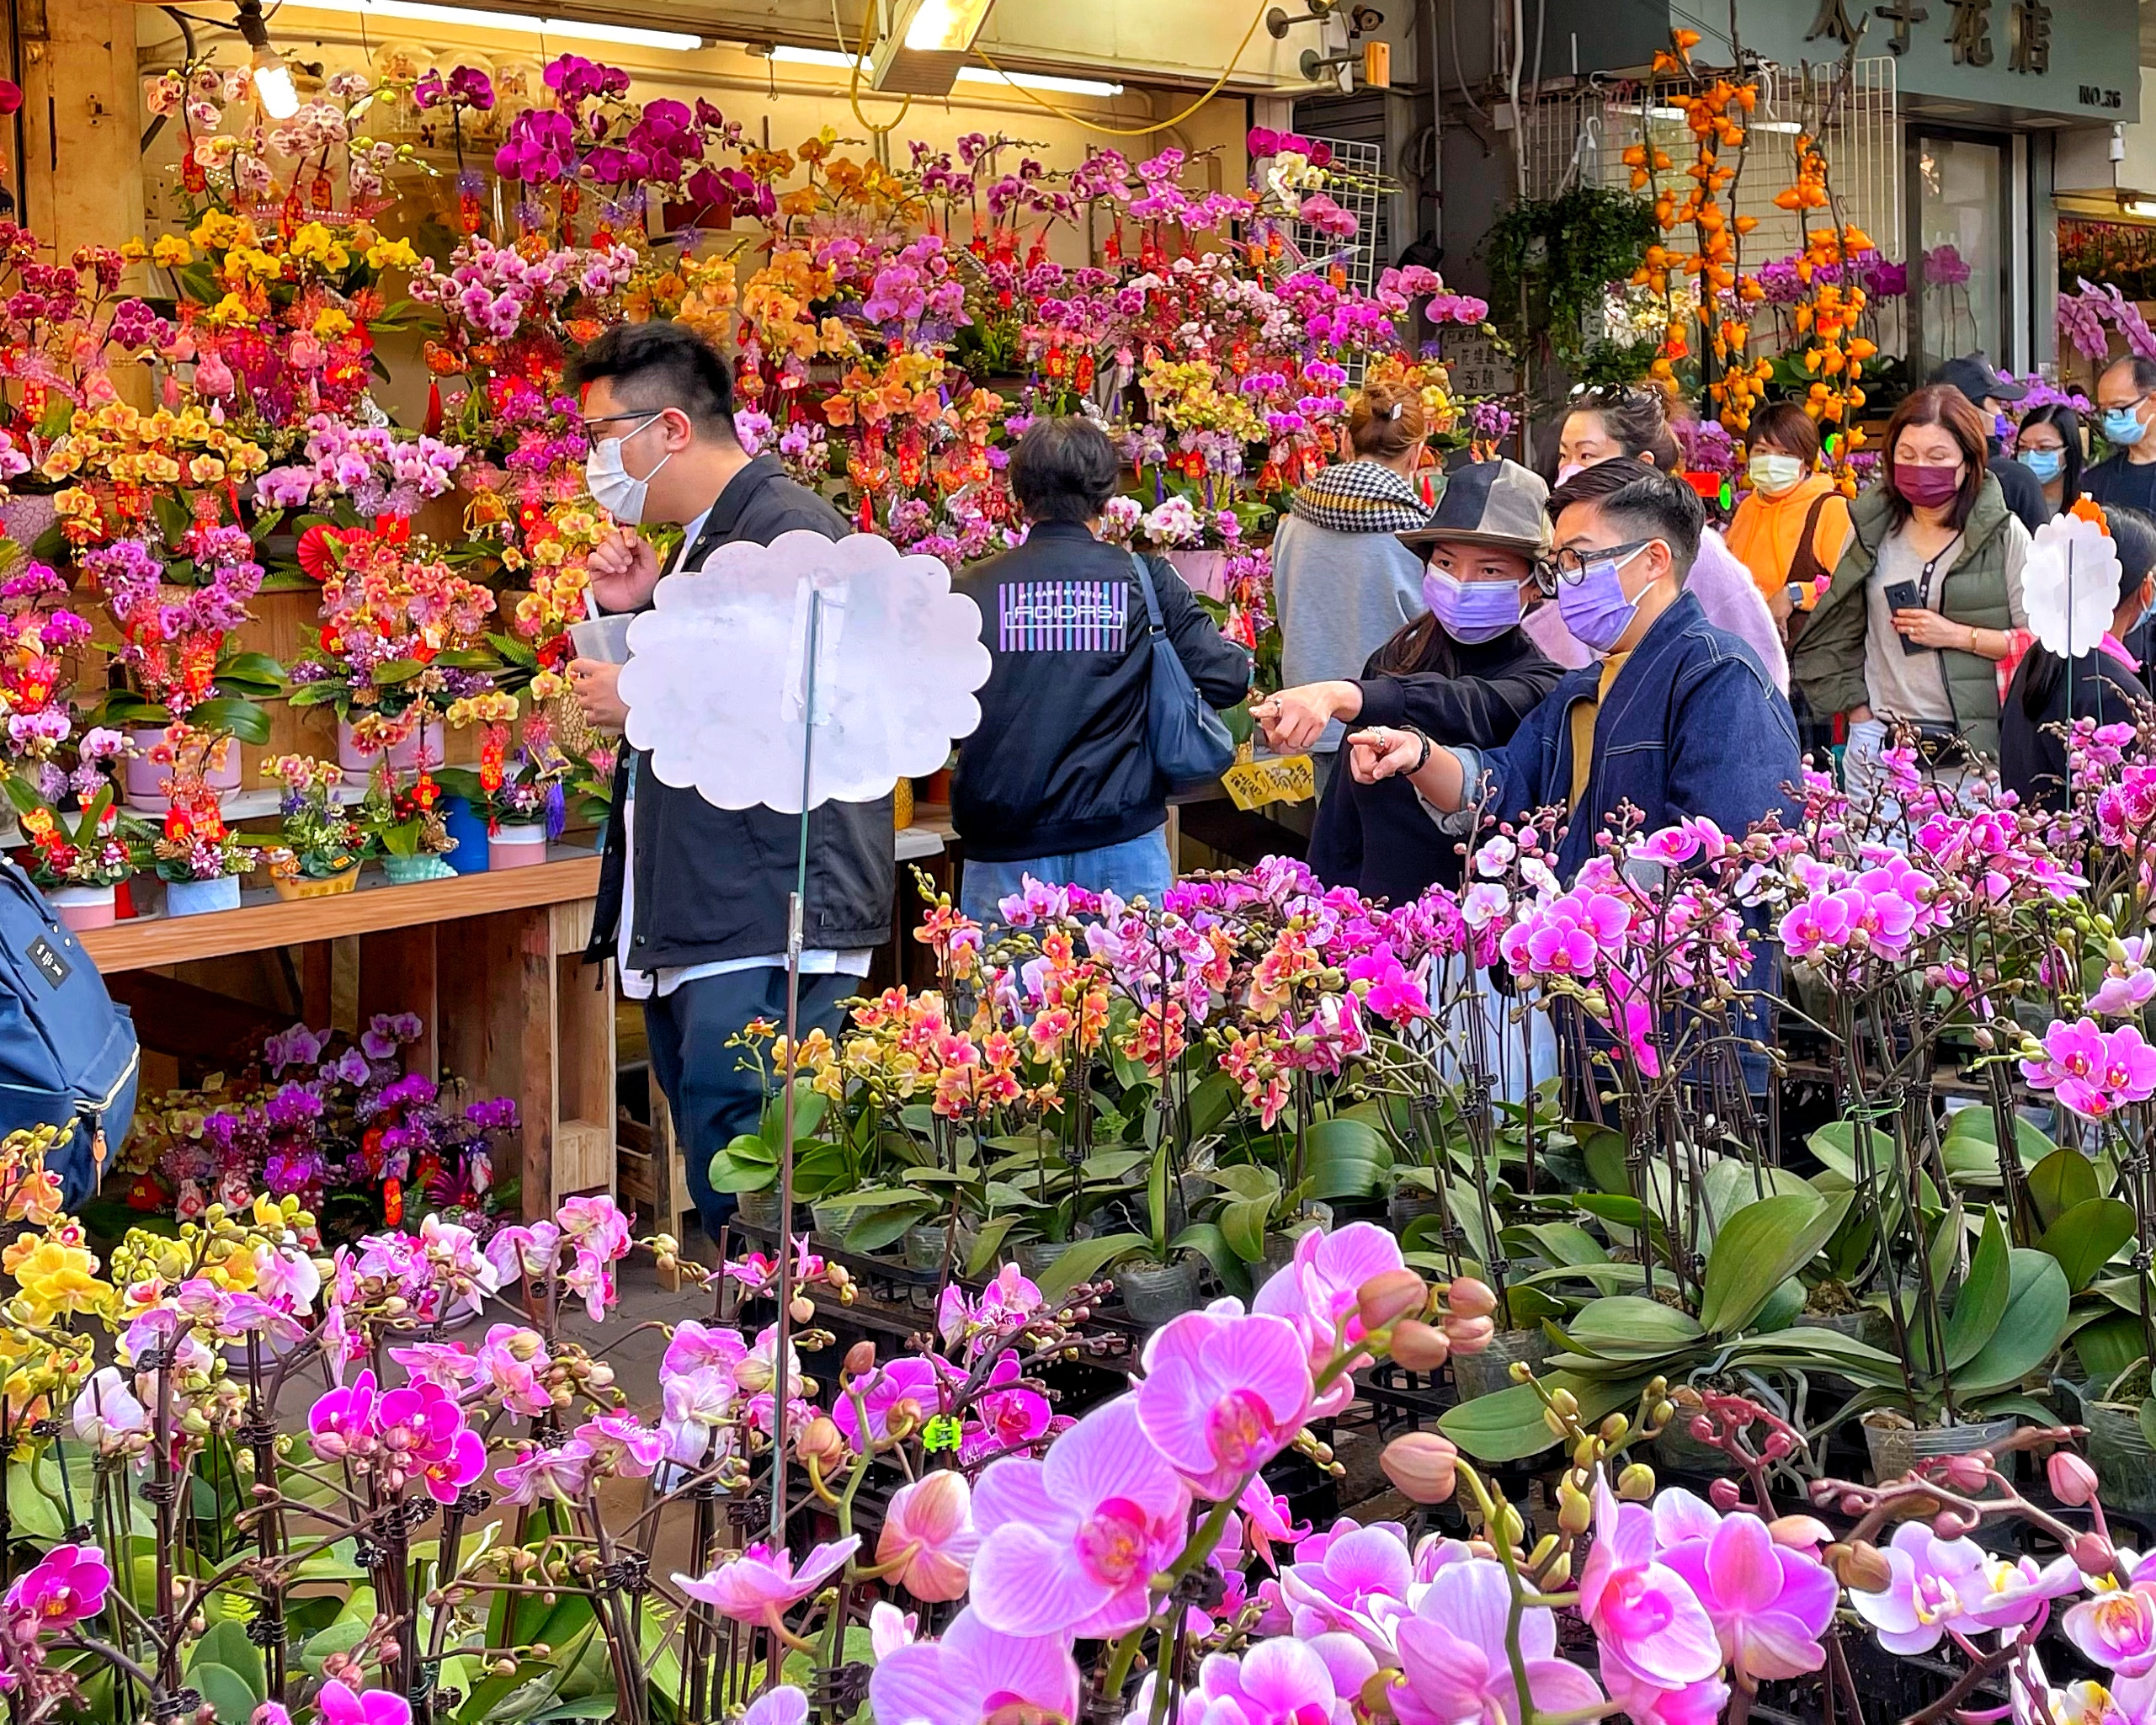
<point>1152,599</point>
<point>1805,565</point>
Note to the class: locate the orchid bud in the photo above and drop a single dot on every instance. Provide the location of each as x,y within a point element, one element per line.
<point>1722,1494</point>
<point>1468,1335</point>
<point>1860,1566</point>
<point>753,1375</point>
<point>1389,1297</point>
<point>1575,1509</point>
<point>2093,1555</point>
<point>801,1308</point>
<point>2072,1480</point>
<point>1422,1465</point>
<point>1635,1484</point>
<point>1418,1346</point>
<point>1799,1533</point>
<point>822,1442</point>
<point>1467,1297</point>
<point>1967,1473</point>
<point>860,1358</point>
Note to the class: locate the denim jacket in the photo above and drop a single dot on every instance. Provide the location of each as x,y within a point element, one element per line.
<point>1693,726</point>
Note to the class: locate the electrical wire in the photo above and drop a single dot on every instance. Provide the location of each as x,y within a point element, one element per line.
<point>853,85</point>
<point>1137,131</point>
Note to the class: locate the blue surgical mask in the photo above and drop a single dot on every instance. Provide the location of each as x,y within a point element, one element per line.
<point>2046,464</point>
<point>1471,611</point>
<point>2123,425</point>
<point>1595,607</point>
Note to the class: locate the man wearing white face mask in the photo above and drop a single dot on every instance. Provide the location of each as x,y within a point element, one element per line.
<point>693,899</point>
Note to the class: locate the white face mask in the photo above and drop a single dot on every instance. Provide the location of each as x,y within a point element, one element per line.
<point>612,487</point>
<point>1773,473</point>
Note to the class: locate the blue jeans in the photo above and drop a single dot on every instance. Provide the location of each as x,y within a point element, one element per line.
<point>1137,866</point>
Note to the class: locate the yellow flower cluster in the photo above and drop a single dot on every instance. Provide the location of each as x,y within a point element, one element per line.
<point>775,304</point>
<point>55,1276</point>
<point>1187,395</point>
<point>134,455</point>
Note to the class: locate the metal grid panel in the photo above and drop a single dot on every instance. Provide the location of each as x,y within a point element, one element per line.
<point>1582,135</point>
<point>1359,171</point>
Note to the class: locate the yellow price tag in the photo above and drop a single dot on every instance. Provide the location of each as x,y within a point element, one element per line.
<point>1290,778</point>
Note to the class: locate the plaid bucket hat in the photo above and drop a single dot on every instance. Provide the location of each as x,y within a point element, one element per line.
<point>1487,502</point>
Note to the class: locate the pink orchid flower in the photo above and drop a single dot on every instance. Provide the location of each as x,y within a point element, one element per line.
<point>1941,1584</point>
<point>64,1586</point>
<point>890,1629</point>
<point>1649,1622</point>
<point>1643,1704</point>
<point>1769,1605</point>
<point>785,1704</point>
<point>1287,1682</point>
<point>761,1585</point>
<point>973,1672</point>
<point>1223,1393</point>
<point>1070,1543</point>
<point>912,1378</point>
<point>339,1704</point>
<point>1356,1582</point>
<point>1452,1657</point>
<point>1315,1293</point>
<point>2117,1630</point>
<point>928,1541</point>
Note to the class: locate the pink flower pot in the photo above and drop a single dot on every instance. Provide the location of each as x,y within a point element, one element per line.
<point>83,909</point>
<point>403,759</point>
<point>1202,571</point>
<point>143,776</point>
<point>516,846</point>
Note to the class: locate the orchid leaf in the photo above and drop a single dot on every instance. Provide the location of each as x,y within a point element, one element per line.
<point>2084,1239</point>
<point>2062,1179</point>
<point>2029,1330</point>
<point>1760,1249</point>
<point>1982,1303</point>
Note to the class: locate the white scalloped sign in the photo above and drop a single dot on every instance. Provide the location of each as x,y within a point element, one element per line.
<point>716,681</point>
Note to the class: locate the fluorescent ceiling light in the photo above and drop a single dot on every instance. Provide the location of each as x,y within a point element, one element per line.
<point>2140,206</point>
<point>966,74</point>
<point>575,30</point>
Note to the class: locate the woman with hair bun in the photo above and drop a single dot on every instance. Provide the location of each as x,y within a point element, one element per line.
<point>1343,584</point>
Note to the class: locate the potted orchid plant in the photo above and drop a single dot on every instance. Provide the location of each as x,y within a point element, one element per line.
<point>82,845</point>
<point>323,845</point>
<point>198,858</point>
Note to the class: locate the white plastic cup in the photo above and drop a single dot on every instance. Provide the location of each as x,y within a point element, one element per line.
<point>603,639</point>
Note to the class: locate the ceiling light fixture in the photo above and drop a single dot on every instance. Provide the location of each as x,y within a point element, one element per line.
<point>923,44</point>
<point>572,29</point>
<point>274,87</point>
<point>966,74</point>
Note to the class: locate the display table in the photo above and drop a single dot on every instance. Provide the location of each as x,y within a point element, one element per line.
<point>491,963</point>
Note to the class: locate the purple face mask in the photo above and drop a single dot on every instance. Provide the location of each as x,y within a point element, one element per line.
<point>1595,607</point>
<point>1471,611</point>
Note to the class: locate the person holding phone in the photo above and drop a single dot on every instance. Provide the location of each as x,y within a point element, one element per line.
<point>1925,603</point>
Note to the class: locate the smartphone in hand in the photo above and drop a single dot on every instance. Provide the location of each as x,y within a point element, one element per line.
<point>1902,596</point>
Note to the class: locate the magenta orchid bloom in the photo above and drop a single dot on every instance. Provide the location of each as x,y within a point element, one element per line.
<point>1769,1605</point>
<point>1224,1392</point>
<point>1355,1581</point>
<point>339,1704</point>
<point>341,1422</point>
<point>1070,1543</point>
<point>1452,1657</point>
<point>1941,1584</point>
<point>912,1378</point>
<point>972,1673</point>
<point>1315,1293</point>
<point>65,1586</point>
<point>2117,1630</point>
<point>623,1445</point>
<point>761,1585</point>
<point>929,1540</point>
<point>1649,1622</point>
<point>1285,1682</point>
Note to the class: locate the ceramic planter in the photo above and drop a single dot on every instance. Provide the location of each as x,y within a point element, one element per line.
<point>403,759</point>
<point>1485,1373</point>
<point>194,898</point>
<point>311,887</point>
<point>85,907</point>
<point>142,779</point>
<point>1153,1293</point>
<point>517,846</point>
<point>1897,1447</point>
<point>409,870</point>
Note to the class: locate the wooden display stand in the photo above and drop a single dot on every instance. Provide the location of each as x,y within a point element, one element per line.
<point>491,963</point>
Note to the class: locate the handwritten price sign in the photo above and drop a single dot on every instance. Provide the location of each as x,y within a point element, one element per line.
<point>1282,779</point>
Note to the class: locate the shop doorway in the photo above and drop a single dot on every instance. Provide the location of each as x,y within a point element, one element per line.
<point>1961,280</point>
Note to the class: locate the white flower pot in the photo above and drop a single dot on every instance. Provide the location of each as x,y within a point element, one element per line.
<point>85,907</point>
<point>1202,571</point>
<point>143,779</point>
<point>194,898</point>
<point>403,759</point>
<point>516,845</point>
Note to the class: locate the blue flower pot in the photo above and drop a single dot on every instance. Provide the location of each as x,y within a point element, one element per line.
<point>194,898</point>
<point>469,829</point>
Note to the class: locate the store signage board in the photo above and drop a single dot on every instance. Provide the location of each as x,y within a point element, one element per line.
<point>1475,365</point>
<point>2059,57</point>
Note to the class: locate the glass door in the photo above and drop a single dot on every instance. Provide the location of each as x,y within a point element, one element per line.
<point>1958,253</point>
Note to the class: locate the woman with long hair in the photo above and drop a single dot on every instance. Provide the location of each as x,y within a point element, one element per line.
<point>2048,444</point>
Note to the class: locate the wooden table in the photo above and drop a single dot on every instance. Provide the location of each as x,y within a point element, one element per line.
<point>491,963</point>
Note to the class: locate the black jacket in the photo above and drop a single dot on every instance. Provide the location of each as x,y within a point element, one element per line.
<point>2031,753</point>
<point>1376,837</point>
<point>1060,761</point>
<point>713,883</point>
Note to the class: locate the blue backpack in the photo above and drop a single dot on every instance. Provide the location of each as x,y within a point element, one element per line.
<point>67,1049</point>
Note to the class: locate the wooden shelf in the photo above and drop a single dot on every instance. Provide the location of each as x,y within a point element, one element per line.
<point>271,922</point>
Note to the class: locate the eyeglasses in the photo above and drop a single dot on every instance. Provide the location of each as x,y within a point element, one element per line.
<point>646,414</point>
<point>1569,563</point>
<point>2125,406</point>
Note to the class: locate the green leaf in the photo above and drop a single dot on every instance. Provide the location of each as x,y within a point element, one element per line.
<point>1243,1226</point>
<point>391,671</point>
<point>234,713</point>
<point>226,1644</point>
<point>1085,1259</point>
<point>1206,1239</point>
<point>1982,1303</point>
<point>2062,1179</point>
<point>810,1106</point>
<point>1627,1326</point>
<point>256,669</point>
<point>34,1515</point>
<point>1508,1426</point>
<point>1813,1349</point>
<point>1348,1159</point>
<point>1758,1249</point>
<point>225,1689</point>
<point>2030,1328</point>
<point>987,1243</point>
<point>2108,1347</point>
<point>1836,1146</point>
<point>317,694</point>
<point>1562,1242</point>
<point>2084,1239</point>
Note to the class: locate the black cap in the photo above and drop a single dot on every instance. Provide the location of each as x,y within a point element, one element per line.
<point>1972,375</point>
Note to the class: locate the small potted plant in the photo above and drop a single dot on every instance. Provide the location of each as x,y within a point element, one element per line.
<point>522,793</point>
<point>77,860</point>
<point>406,823</point>
<point>198,858</point>
<point>323,846</point>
